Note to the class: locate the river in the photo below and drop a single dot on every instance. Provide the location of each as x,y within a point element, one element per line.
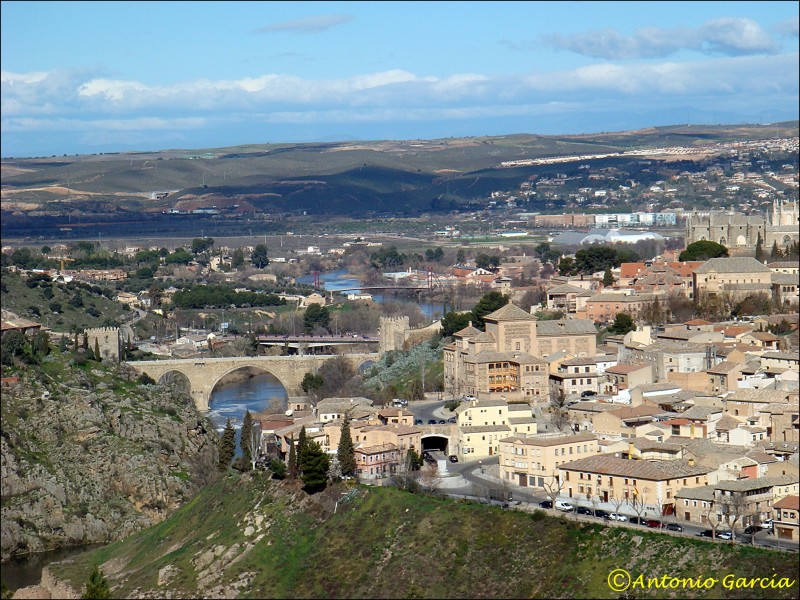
<point>27,570</point>
<point>341,280</point>
<point>255,394</point>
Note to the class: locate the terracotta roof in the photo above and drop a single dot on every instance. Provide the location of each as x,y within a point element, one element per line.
<point>746,485</point>
<point>565,327</point>
<point>542,441</point>
<point>742,264</point>
<point>789,503</point>
<point>724,368</point>
<point>727,423</point>
<point>633,412</point>
<point>468,331</point>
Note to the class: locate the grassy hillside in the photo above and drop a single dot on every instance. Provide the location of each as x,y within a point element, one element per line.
<point>255,538</point>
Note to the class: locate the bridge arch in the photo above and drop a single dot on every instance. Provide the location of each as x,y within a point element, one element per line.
<point>252,371</point>
<point>177,378</point>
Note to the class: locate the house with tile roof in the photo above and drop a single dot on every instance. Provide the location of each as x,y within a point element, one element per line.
<point>786,517</point>
<point>737,277</point>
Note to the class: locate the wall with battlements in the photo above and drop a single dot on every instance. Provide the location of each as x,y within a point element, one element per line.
<point>108,340</point>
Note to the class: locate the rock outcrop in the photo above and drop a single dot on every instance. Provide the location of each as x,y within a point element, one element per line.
<point>88,455</point>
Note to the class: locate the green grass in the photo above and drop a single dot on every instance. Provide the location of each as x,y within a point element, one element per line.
<point>387,543</point>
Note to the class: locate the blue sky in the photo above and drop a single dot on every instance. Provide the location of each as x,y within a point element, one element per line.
<point>87,77</point>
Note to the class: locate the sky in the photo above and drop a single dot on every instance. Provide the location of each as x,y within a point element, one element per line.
<point>90,77</point>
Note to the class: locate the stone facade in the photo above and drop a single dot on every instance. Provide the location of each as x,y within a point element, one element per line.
<point>108,340</point>
<point>738,231</point>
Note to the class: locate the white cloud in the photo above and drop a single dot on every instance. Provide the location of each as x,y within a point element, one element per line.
<point>314,24</point>
<point>727,36</point>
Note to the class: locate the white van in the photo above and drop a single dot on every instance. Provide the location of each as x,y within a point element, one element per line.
<point>565,506</point>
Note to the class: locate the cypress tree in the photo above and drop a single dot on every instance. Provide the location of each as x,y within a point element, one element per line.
<point>85,343</point>
<point>302,447</point>
<point>97,586</point>
<point>346,451</point>
<point>775,253</point>
<point>227,446</point>
<point>315,470</point>
<point>244,437</point>
<point>608,278</point>
<point>97,356</point>
<point>759,248</point>
<point>76,342</point>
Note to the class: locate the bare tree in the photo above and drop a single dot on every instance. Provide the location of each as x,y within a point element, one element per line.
<point>638,502</point>
<point>558,410</point>
<point>733,506</point>
<point>553,485</point>
<point>429,477</point>
<point>252,441</point>
<point>712,518</point>
<point>616,501</point>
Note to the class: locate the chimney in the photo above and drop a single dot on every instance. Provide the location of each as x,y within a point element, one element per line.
<point>691,431</point>
<point>630,450</point>
<point>691,461</point>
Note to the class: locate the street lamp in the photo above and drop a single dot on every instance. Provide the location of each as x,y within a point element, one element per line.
<point>480,465</point>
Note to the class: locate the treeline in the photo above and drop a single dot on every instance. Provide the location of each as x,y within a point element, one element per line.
<point>217,296</point>
<point>594,259</point>
<point>390,257</point>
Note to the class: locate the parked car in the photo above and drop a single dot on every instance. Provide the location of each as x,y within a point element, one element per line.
<point>417,421</point>
<point>636,521</point>
<point>767,524</point>
<point>725,535</point>
<point>431,421</point>
<point>451,420</point>
<point>707,533</point>
<point>582,510</point>
<point>452,458</point>
<point>546,504</point>
<point>601,514</point>
<point>751,529</point>
<point>655,524</point>
<point>587,393</point>
<point>617,517</point>
<point>442,422</point>
<point>565,506</point>
<point>674,527</point>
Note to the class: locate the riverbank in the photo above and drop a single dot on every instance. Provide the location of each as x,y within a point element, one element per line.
<point>49,587</point>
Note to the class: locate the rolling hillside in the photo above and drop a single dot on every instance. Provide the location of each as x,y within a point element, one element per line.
<point>256,538</point>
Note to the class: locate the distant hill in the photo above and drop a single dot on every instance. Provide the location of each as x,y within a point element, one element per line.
<point>257,538</point>
<point>403,178</point>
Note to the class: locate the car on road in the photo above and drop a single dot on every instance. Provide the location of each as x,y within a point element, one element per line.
<point>452,458</point>
<point>441,422</point>
<point>725,535</point>
<point>636,521</point>
<point>601,514</point>
<point>751,529</point>
<point>674,527</point>
<point>546,504</point>
<point>565,506</point>
<point>587,393</point>
<point>582,510</point>
<point>617,517</point>
<point>451,420</point>
<point>706,533</point>
<point>655,524</point>
<point>417,421</point>
<point>767,524</point>
<point>431,421</point>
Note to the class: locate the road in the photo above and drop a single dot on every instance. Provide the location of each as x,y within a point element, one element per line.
<point>127,327</point>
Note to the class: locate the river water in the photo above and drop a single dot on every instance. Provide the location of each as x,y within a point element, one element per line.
<point>27,570</point>
<point>341,280</point>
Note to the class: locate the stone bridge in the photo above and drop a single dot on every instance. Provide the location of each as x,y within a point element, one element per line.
<point>204,374</point>
<point>439,437</point>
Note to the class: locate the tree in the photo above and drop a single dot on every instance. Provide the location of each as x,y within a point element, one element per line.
<point>302,447</point>
<point>760,249</point>
<point>608,278</point>
<point>454,321</point>
<point>488,303</point>
<point>623,323</point>
<point>638,502</point>
<point>316,316</point>
<point>237,258</point>
<point>200,245</point>
<point>40,345</point>
<point>227,446</point>
<point>703,250</point>
<point>461,256</point>
<point>345,453</point>
<point>315,467</point>
<point>775,252</point>
<point>558,409</point>
<point>733,506</point>
<point>278,468</point>
<point>312,383</point>
<point>97,356</point>
<point>97,586</point>
<point>487,262</point>
<point>259,256</point>
<point>552,485</point>
<point>12,345</point>
<point>567,266</point>
<point>249,440</point>
<point>653,313</point>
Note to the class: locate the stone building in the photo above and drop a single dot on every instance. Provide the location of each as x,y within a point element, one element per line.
<point>506,359</point>
<point>108,341</point>
<point>740,232</point>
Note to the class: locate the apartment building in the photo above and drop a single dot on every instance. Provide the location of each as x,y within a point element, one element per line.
<point>534,461</point>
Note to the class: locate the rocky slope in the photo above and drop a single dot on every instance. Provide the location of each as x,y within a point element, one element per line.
<point>90,455</point>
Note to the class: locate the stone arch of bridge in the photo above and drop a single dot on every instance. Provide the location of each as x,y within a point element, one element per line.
<point>253,367</point>
<point>177,377</point>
